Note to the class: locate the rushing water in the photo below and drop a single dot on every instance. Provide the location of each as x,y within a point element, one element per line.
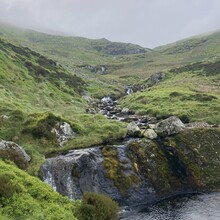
<point>188,207</point>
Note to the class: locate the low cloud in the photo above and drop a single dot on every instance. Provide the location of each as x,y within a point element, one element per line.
<point>145,22</point>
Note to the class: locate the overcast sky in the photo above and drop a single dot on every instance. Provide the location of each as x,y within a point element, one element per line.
<point>148,23</point>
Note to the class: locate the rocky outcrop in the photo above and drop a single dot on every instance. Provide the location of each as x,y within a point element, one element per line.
<point>13,147</point>
<point>169,126</point>
<point>140,171</point>
<point>155,79</point>
<point>100,69</point>
<point>63,132</point>
<point>87,170</point>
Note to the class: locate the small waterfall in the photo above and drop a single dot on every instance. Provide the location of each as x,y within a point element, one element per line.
<point>129,90</point>
<point>82,170</point>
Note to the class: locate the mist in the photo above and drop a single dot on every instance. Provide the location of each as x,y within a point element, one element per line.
<point>144,22</point>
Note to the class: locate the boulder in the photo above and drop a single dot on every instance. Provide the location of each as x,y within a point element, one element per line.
<point>63,132</point>
<point>155,78</point>
<point>150,134</point>
<point>11,146</point>
<point>133,130</point>
<point>152,126</point>
<point>169,126</point>
<point>125,110</point>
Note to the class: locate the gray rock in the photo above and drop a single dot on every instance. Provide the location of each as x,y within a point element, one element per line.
<point>133,130</point>
<point>4,118</point>
<point>155,79</point>
<point>169,126</point>
<point>152,126</point>
<point>125,110</point>
<point>63,132</point>
<point>9,145</point>
<point>82,170</point>
<point>150,134</point>
<point>88,98</point>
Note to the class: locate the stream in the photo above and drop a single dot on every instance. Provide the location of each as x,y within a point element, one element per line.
<point>184,207</point>
<point>82,170</point>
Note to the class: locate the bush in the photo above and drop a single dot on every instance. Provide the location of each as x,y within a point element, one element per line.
<point>7,188</point>
<point>13,156</point>
<point>97,207</point>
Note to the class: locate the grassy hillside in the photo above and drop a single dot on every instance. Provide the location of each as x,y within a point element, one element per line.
<point>191,92</point>
<point>36,92</point>
<point>25,197</point>
<point>43,81</point>
<point>126,63</point>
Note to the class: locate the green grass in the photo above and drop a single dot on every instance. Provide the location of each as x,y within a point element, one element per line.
<point>192,95</point>
<point>33,87</point>
<point>29,198</point>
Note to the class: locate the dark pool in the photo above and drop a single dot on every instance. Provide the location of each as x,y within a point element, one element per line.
<point>187,207</point>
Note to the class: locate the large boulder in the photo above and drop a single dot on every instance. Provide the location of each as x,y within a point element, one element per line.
<point>150,134</point>
<point>11,146</point>
<point>133,130</point>
<point>169,126</point>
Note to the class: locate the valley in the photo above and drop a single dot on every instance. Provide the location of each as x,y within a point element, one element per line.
<point>133,123</point>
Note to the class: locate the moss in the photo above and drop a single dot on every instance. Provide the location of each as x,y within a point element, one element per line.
<point>75,171</point>
<point>152,163</point>
<point>199,149</point>
<point>115,170</point>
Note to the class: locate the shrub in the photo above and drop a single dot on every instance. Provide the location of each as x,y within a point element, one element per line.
<point>7,188</point>
<point>44,127</point>
<point>97,207</point>
<point>13,156</point>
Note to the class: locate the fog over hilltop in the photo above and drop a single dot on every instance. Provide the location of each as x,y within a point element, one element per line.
<point>144,22</point>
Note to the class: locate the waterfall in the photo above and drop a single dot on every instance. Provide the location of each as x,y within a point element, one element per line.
<point>82,170</point>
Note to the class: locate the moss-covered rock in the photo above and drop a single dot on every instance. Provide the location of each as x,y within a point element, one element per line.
<point>119,171</point>
<point>199,149</point>
<point>186,161</point>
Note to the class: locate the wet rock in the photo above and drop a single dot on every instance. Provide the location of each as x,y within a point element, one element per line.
<point>107,100</point>
<point>82,170</point>
<point>150,134</point>
<point>133,130</point>
<point>63,132</point>
<point>129,90</point>
<point>169,126</point>
<point>9,145</point>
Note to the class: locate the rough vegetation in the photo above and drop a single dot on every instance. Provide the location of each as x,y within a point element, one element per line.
<point>26,197</point>
<point>44,80</point>
<point>96,206</point>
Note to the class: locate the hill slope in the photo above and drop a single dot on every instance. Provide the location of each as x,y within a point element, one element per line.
<point>36,92</point>
<point>26,197</point>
